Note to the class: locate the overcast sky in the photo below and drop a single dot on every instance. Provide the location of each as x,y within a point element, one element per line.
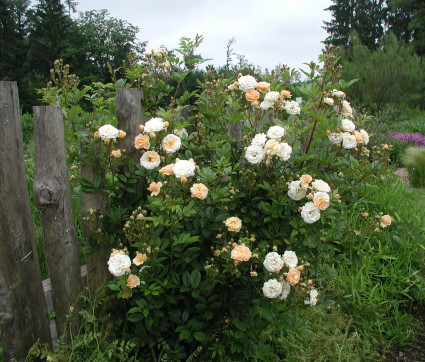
<point>267,32</point>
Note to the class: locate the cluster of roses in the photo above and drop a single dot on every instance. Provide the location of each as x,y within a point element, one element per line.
<point>280,287</point>
<point>272,99</point>
<point>171,143</point>
<point>336,99</point>
<point>269,145</point>
<point>119,264</point>
<point>273,262</point>
<point>108,133</point>
<point>319,196</point>
<point>349,137</point>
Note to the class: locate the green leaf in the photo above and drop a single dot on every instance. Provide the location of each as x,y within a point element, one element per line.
<point>135,317</point>
<point>195,278</point>
<point>200,336</point>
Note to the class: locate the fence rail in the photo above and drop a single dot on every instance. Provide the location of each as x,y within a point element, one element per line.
<point>26,301</point>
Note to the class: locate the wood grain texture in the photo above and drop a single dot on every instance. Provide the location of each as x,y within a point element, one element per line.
<point>23,312</point>
<point>52,195</point>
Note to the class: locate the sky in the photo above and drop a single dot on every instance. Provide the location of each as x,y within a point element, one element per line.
<point>267,32</point>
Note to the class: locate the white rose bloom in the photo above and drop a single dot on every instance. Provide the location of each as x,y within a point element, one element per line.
<point>292,107</point>
<point>272,288</point>
<point>154,125</point>
<point>335,138</point>
<point>296,191</point>
<point>271,97</point>
<point>273,262</point>
<point>329,101</point>
<point>348,141</point>
<point>150,160</point>
<point>171,143</point>
<point>285,291</point>
<point>284,151</point>
<point>255,154</point>
<point>320,185</point>
<point>310,212</point>
<point>365,136</point>
<point>184,168</point>
<point>290,259</point>
<point>338,93</point>
<point>313,298</point>
<point>118,264</point>
<point>182,133</point>
<point>347,125</point>
<point>276,132</point>
<point>108,132</point>
<point>271,147</point>
<point>259,140</point>
<point>264,105</point>
<point>247,82</point>
<point>346,108</point>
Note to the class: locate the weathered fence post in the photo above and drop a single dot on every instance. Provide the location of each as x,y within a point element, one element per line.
<point>23,311</point>
<point>96,261</point>
<point>52,195</point>
<point>130,114</point>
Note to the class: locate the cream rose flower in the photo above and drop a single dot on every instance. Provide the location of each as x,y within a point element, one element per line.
<point>346,109</point>
<point>290,259</point>
<point>121,134</point>
<point>233,224</point>
<point>335,138</point>
<point>271,147</point>
<point>359,137</point>
<point>385,221</point>
<point>293,276</point>
<point>292,107</point>
<point>133,281</point>
<point>247,82</point>
<point>263,86</point>
<point>154,125</point>
<point>305,180</point>
<point>264,105</point>
<point>296,191</point>
<point>365,136</point>
<point>273,262</point>
<point>233,87</point>
<point>150,160</point>
<point>171,143</point>
<point>139,259</point>
<point>182,133</point>
<point>259,140</point>
<point>142,141</point>
<point>286,288</point>
<point>284,151</point>
<point>184,168</point>
<point>118,264</point>
<point>329,101</point>
<point>286,94</point>
<point>276,132</point>
<point>252,95</point>
<point>116,153</point>
<point>321,200</point>
<point>199,191</point>
<point>338,93</point>
<point>310,212</point>
<point>108,132</point>
<point>320,185</point>
<point>154,188</point>
<point>167,170</point>
<point>272,288</point>
<point>348,141</point>
<point>241,253</point>
<point>271,97</point>
<point>255,154</point>
<point>347,125</point>
<point>313,298</point>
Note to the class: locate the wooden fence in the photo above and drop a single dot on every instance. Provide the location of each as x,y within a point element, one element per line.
<point>25,300</point>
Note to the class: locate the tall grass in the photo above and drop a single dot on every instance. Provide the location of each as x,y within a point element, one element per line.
<point>414,160</point>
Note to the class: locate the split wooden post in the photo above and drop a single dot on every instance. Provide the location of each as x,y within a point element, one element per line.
<point>52,195</point>
<point>130,114</point>
<point>23,311</point>
<point>96,261</point>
